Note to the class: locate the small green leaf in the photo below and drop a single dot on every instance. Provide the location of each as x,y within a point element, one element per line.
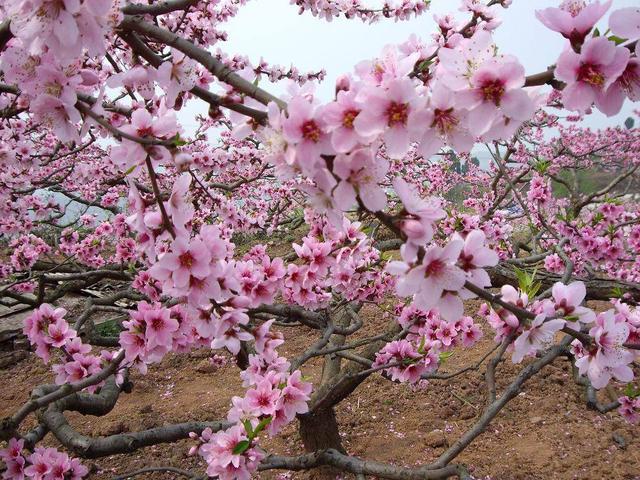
<point>247,427</point>
<point>631,392</point>
<point>129,170</point>
<point>177,141</point>
<point>241,447</point>
<point>617,40</point>
<point>445,356</point>
<point>617,292</point>
<point>534,289</point>
<point>423,65</point>
<point>541,166</point>
<point>261,426</point>
<point>597,218</point>
<point>596,33</point>
<point>421,347</point>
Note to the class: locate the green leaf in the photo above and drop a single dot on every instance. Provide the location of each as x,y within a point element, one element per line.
<point>129,170</point>
<point>248,428</point>
<point>241,447</point>
<point>597,218</point>
<point>617,292</point>
<point>445,356</point>
<point>523,280</point>
<point>177,141</point>
<point>541,166</point>
<point>534,289</point>
<point>631,392</point>
<point>423,65</point>
<point>526,281</point>
<point>261,426</point>
<point>617,40</point>
<point>421,347</point>
<point>596,33</point>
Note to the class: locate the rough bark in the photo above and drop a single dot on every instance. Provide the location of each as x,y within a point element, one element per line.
<point>319,431</point>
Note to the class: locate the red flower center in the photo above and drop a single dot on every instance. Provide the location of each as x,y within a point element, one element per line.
<point>144,132</point>
<point>435,267</point>
<point>493,91</point>
<point>263,400</point>
<point>591,74</point>
<point>196,283</point>
<point>186,260</point>
<point>444,120</point>
<point>567,309</point>
<point>397,113</point>
<point>57,337</point>
<point>311,131</point>
<point>157,323</point>
<point>466,262</point>
<point>349,117</point>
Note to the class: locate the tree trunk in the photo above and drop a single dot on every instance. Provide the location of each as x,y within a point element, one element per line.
<point>318,431</point>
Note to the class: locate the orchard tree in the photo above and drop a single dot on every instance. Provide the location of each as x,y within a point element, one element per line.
<point>378,187</point>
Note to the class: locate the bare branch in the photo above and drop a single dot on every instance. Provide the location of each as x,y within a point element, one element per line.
<point>356,465</point>
<point>157,8</point>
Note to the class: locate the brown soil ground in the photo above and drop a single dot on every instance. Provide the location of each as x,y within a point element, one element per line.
<point>545,433</point>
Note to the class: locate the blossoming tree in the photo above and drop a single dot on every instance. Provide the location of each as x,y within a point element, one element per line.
<point>100,184</point>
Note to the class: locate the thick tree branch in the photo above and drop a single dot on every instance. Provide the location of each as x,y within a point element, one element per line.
<point>157,8</point>
<point>358,466</point>
<point>5,34</point>
<point>215,66</point>
<point>45,396</point>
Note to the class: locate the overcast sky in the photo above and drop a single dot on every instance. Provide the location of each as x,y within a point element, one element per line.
<point>273,29</point>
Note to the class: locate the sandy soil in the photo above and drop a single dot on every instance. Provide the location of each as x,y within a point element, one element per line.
<point>545,433</point>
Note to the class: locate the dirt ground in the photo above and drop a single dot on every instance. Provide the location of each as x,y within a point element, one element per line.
<point>545,433</point>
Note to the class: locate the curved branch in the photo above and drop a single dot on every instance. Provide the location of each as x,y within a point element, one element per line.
<point>214,100</point>
<point>177,471</point>
<point>158,8</point>
<point>44,397</point>
<point>494,408</point>
<point>334,458</point>
<point>215,66</point>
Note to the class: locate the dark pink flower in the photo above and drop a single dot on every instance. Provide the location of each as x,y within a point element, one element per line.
<point>590,73</point>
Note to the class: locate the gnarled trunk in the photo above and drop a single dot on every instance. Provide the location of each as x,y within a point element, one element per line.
<point>318,431</point>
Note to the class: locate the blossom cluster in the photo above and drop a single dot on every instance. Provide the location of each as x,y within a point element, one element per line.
<point>329,9</point>
<point>273,398</point>
<point>338,261</point>
<point>603,359</point>
<point>350,170</point>
<point>42,464</point>
<point>629,409</point>
<point>428,341</point>
<point>47,330</point>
